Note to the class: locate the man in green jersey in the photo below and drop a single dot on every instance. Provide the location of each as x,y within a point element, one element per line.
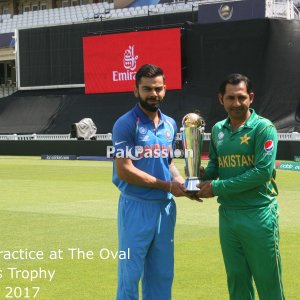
<point>241,172</point>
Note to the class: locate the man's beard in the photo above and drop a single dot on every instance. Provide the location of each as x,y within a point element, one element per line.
<point>152,108</point>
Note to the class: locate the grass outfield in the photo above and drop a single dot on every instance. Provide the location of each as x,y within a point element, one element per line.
<point>51,205</point>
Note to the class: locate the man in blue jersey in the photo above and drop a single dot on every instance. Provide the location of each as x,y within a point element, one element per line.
<point>146,176</point>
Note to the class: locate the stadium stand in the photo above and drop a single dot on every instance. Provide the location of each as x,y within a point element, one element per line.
<point>83,13</point>
<point>105,11</point>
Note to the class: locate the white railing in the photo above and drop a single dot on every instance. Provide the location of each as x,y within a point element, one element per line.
<point>48,137</point>
<point>6,90</point>
<point>296,13</point>
<point>283,9</point>
<point>294,136</point>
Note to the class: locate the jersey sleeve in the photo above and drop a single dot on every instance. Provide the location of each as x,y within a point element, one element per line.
<point>265,149</point>
<point>123,134</point>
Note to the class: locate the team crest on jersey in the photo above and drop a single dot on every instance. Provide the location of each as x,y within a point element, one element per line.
<point>220,135</point>
<point>168,135</point>
<point>142,130</point>
<point>245,139</point>
<point>269,146</point>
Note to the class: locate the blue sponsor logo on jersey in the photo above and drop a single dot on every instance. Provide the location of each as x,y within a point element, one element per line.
<point>168,136</point>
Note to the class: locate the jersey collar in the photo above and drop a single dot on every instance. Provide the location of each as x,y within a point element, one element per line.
<point>143,117</point>
<point>249,123</point>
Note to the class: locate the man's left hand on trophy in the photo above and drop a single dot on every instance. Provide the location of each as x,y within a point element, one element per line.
<point>206,190</point>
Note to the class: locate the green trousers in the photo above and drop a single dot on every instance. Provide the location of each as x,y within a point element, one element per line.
<point>249,240</point>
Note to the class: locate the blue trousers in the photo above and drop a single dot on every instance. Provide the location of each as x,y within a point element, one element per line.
<point>146,228</point>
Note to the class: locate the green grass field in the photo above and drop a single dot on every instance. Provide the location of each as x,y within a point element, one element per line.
<point>51,205</point>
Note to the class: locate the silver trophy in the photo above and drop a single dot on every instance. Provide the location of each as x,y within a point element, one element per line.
<point>192,142</point>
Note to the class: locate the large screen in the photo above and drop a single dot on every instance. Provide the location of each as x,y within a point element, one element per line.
<point>111,61</point>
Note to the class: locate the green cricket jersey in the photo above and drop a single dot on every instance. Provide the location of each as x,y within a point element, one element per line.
<point>244,162</point>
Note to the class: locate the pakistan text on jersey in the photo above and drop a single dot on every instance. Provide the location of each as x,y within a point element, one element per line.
<point>236,160</point>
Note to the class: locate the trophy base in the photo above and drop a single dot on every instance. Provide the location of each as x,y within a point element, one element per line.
<point>191,184</point>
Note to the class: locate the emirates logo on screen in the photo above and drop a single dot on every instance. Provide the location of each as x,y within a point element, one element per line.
<point>129,63</point>
<point>130,58</point>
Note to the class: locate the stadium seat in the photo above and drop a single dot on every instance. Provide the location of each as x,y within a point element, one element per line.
<point>120,15</point>
<point>169,8</point>
<point>113,15</point>
<point>161,9</point>
<point>179,7</point>
<point>106,5</point>
<point>73,17</point>
<point>127,14</point>
<point>142,12</point>
<point>154,10</point>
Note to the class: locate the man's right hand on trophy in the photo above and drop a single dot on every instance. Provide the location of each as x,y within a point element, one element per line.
<point>178,190</point>
<point>206,190</point>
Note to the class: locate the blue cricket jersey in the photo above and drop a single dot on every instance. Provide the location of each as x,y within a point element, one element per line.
<point>135,136</point>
